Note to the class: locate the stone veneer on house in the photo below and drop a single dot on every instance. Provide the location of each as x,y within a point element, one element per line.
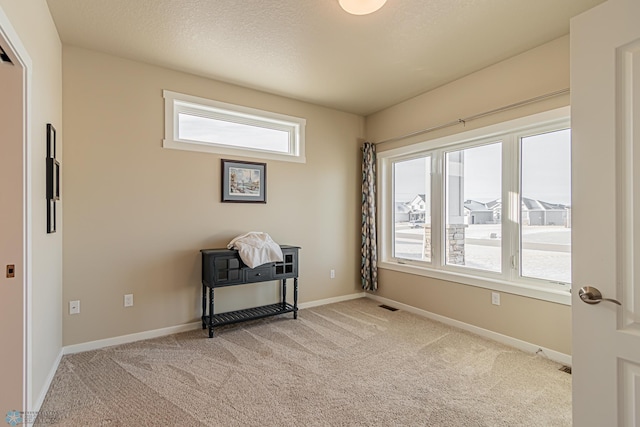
<point>454,242</point>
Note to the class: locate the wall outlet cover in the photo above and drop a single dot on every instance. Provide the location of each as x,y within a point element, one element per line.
<point>495,298</point>
<point>128,300</point>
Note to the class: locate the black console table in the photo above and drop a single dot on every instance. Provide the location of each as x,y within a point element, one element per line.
<point>223,267</point>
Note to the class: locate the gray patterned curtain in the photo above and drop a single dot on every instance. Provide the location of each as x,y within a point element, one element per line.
<point>369,265</point>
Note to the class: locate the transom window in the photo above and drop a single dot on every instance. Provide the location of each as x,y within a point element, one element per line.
<point>490,207</point>
<point>198,124</point>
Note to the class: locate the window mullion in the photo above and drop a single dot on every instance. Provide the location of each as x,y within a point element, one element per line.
<point>437,209</point>
<point>510,208</point>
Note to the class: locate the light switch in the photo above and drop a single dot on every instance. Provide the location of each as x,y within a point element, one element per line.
<point>74,307</point>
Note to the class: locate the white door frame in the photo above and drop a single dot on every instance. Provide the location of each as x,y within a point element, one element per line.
<point>12,42</point>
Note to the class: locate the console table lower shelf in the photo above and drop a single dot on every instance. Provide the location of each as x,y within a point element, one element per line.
<point>209,320</point>
<point>252,313</point>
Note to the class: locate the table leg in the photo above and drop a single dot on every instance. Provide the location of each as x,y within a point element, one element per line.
<point>295,297</point>
<point>204,305</point>
<point>284,294</point>
<point>211,312</point>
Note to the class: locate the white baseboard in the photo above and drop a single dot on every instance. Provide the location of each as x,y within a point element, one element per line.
<point>35,407</point>
<point>504,339</point>
<point>556,356</point>
<point>326,301</point>
<point>124,339</point>
<point>155,333</point>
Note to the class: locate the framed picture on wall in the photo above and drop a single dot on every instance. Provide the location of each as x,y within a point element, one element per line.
<point>52,173</point>
<point>53,179</point>
<point>51,141</point>
<point>244,182</point>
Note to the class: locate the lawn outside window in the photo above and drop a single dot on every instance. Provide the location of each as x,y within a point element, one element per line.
<point>199,124</point>
<point>489,207</point>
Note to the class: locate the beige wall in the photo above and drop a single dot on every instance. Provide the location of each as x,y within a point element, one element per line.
<point>33,24</point>
<point>136,214</point>
<point>537,72</point>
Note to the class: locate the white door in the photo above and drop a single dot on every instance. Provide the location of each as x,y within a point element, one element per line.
<point>605,121</point>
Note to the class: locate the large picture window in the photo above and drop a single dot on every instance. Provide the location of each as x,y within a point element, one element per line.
<point>490,207</point>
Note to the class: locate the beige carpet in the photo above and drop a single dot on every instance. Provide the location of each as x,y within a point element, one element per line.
<point>346,364</point>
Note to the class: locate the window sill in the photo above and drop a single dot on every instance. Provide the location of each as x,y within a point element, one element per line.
<point>523,289</point>
<point>204,147</point>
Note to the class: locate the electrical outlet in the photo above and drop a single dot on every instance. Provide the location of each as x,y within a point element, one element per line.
<point>495,298</point>
<point>333,274</point>
<point>74,307</point>
<point>128,300</point>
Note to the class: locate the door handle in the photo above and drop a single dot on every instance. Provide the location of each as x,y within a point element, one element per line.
<point>592,295</point>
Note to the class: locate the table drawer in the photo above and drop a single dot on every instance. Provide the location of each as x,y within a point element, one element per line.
<point>259,274</point>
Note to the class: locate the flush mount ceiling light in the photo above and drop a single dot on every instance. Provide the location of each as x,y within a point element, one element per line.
<point>361,7</point>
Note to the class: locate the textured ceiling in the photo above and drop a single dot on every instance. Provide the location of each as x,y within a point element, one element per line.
<point>311,49</point>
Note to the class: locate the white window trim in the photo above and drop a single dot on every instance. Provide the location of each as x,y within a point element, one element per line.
<point>522,286</point>
<point>175,103</point>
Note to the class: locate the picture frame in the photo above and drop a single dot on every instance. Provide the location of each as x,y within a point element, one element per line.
<point>244,182</point>
<point>52,172</point>
<point>53,179</point>
<point>51,141</point>
<point>51,216</point>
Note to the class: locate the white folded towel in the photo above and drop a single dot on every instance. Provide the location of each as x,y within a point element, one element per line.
<point>256,248</point>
